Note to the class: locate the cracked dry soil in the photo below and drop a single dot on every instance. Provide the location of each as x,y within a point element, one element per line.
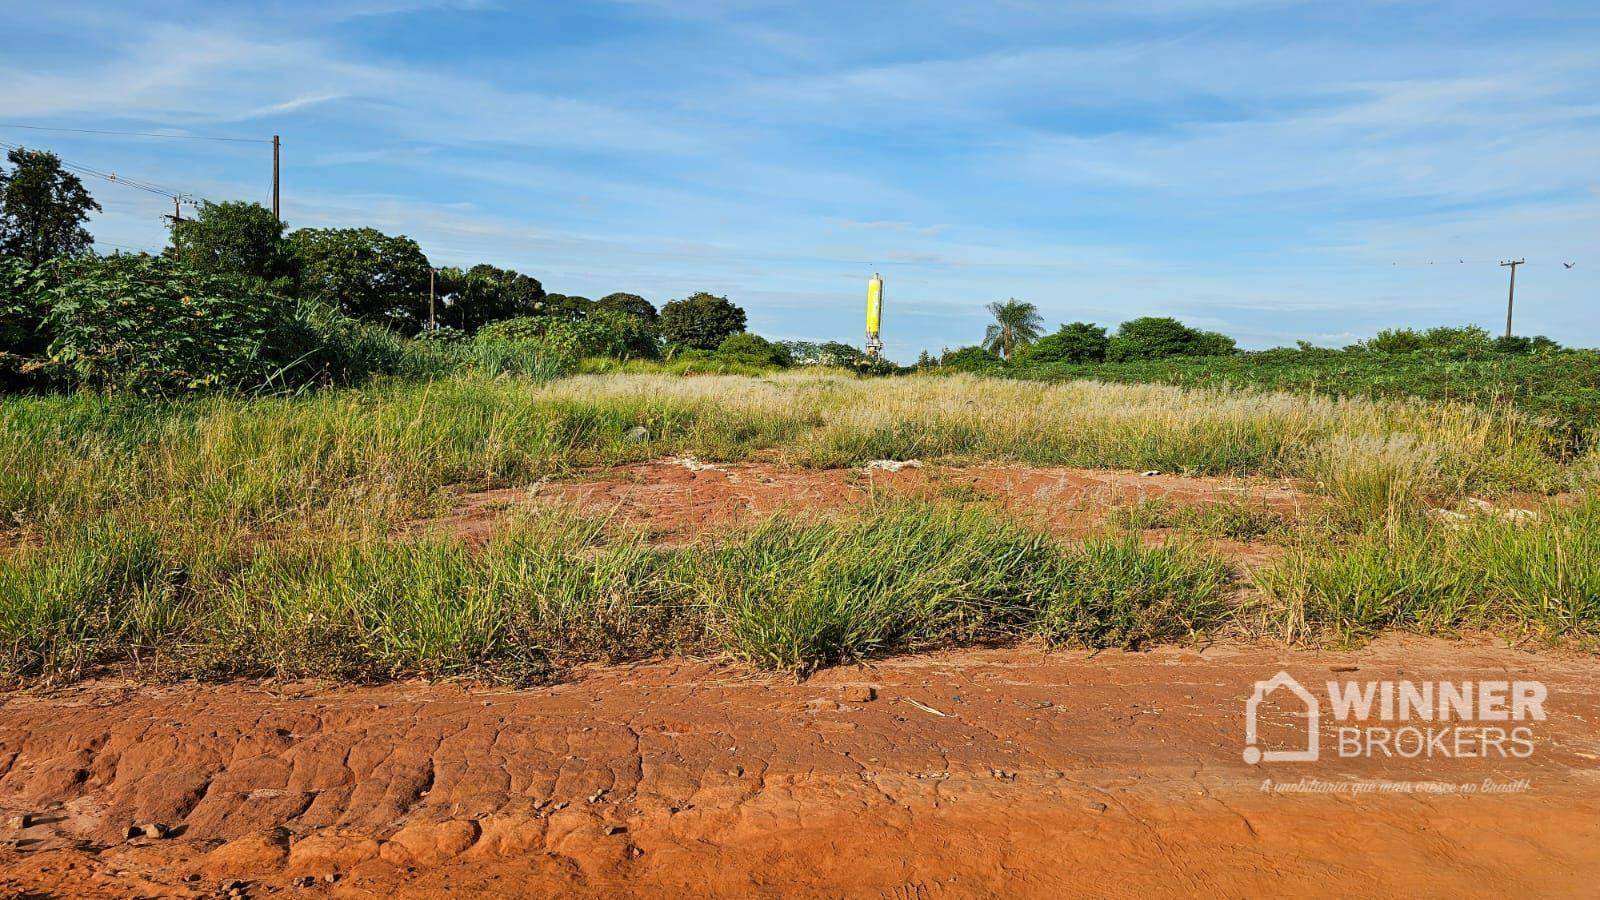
<point>1010,772</point>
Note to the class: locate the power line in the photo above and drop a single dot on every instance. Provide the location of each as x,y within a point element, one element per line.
<point>149,134</point>
<point>112,177</point>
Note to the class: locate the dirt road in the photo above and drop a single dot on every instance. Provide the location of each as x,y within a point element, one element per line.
<point>1009,771</point>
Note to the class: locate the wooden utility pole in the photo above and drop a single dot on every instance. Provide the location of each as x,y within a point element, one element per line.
<point>1511,296</point>
<point>276,214</point>
<point>177,208</point>
<point>433,323</point>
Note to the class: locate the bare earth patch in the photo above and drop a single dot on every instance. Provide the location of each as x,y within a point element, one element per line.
<point>984,772</point>
<point>677,500</point>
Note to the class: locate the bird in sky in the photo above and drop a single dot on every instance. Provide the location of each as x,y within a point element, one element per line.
<point>1568,265</point>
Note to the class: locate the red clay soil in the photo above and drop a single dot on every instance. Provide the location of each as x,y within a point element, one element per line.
<point>1009,772</point>
<point>675,501</point>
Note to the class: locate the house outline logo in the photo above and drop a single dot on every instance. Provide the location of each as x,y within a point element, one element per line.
<point>1254,754</point>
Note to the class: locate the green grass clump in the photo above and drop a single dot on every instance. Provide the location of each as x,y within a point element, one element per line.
<point>1120,593</point>
<point>101,591</point>
<point>1493,572</point>
<point>548,590</point>
<point>905,575</point>
<point>552,590</point>
<point>1235,521</point>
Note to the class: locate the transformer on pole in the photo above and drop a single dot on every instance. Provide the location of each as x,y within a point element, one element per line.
<point>874,314</point>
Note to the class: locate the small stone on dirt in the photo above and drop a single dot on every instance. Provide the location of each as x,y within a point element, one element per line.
<point>1097,807</point>
<point>615,829</point>
<point>894,465</point>
<point>20,822</point>
<point>858,693</point>
<point>304,881</point>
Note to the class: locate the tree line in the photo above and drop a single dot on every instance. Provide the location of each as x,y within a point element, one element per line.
<point>239,300</point>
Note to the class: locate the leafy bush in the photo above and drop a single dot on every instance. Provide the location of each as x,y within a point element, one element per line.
<point>151,325</point>
<point>1158,337</point>
<point>1516,343</point>
<point>22,311</point>
<point>755,350</point>
<point>1465,341</point>
<point>603,333</point>
<point>701,321</point>
<point>1079,342</point>
<point>511,331</point>
<point>971,359</point>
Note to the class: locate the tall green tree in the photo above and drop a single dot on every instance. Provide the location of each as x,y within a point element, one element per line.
<point>233,238</point>
<point>631,304</point>
<point>701,321</point>
<point>364,273</point>
<point>485,294</point>
<point>567,307</point>
<point>1016,325</point>
<point>42,208</point>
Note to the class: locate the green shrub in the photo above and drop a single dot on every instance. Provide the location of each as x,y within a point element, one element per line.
<point>152,326</point>
<point>514,330</point>
<point>971,359</point>
<point>606,333</point>
<point>1079,342</point>
<point>755,350</point>
<point>1465,341</point>
<point>22,312</point>
<point>1158,337</point>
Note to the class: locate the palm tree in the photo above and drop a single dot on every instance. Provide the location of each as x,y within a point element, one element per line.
<point>1016,324</point>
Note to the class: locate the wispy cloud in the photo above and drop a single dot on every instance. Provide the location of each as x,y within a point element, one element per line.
<point>1250,165</point>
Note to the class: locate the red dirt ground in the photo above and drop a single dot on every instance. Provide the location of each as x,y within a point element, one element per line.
<point>1009,772</point>
<point>676,502</point>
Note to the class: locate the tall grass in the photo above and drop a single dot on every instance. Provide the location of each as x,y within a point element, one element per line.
<point>230,534</point>
<point>382,452</point>
<point>552,590</point>
<point>1537,578</point>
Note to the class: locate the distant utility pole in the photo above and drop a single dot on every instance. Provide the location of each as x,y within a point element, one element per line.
<point>275,213</point>
<point>433,323</point>
<point>1511,296</point>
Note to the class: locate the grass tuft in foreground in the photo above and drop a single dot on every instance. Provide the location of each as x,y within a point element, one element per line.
<point>1538,578</point>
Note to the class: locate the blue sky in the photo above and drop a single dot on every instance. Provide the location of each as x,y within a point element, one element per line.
<point>1271,169</point>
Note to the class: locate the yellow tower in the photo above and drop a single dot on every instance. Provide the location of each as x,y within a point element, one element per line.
<point>874,314</point>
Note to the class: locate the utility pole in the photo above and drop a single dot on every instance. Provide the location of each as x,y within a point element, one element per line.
<point>1511,296</point>
<point>177,208</point>
<point>275,213</point>
<point>433,323</point>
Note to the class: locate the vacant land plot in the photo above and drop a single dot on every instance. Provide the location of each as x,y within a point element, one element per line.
<point>649,598</point>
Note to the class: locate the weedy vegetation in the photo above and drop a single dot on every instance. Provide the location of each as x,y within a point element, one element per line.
<point>229,535</point>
